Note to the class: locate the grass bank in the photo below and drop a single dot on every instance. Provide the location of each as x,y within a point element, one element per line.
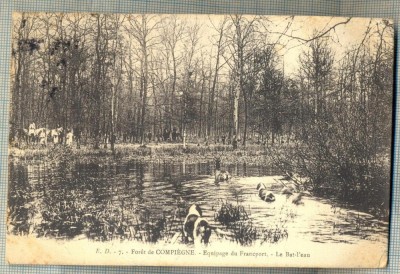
<point>251,155</point>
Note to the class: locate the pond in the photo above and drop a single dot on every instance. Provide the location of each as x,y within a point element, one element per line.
<point>147,201</point>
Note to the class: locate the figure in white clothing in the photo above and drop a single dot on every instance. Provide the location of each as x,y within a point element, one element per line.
<point>31,132</point>
<point>42,133</point>
<point>55,134</point>
<point>70,138</point>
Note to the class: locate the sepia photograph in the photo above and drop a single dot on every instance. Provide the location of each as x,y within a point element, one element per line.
<point>199,140</point>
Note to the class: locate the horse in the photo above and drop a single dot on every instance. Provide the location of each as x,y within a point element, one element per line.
<point>41,135</point>
<point>56,135</point>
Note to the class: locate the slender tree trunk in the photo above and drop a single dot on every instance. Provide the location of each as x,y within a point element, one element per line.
<point>245,121</point>
<point>236,111</point>
<point>96,91</point>
<point>145,79</point>
<point>201,106</point>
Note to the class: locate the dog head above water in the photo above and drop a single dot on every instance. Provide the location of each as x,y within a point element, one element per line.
<point>260,186</point>
<point>202,231</point>
<point>265,195</point>
<point>221,176</point>
<point>194,209</point>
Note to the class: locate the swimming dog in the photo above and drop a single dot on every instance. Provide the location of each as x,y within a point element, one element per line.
<point>297,197</point>
<point>196,227</point>
<point>220,175</point>
<point>264,194</point>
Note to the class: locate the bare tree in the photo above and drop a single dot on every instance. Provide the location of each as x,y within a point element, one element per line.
<point>220,45</point>
<point>143,30</point>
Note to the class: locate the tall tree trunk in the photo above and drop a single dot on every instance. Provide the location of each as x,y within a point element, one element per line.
<point>145,76</point>
<point>236,111</point>
<point>96,91</point>
<point>245,121</point>
<point>201,106</point>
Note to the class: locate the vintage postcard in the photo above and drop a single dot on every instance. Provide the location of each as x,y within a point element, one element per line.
<point>199,140</point>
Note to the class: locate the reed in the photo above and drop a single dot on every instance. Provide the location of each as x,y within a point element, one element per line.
<point>228,214</point>
<point>244,232</point>
<point>273,235</point>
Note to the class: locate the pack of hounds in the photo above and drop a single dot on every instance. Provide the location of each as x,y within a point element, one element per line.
<point>42,136</point>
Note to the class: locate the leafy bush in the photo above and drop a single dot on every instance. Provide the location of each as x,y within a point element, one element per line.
<point>342,164</point>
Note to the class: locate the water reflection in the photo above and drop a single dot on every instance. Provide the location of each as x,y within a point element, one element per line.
<point>147,202</point>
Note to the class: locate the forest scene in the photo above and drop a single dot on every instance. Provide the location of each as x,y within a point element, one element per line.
<point>145,127</point>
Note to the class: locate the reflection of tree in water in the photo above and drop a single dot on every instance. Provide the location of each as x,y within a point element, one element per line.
<point>139,168</point>
<point>141,201</point>
<point>19,197</point>
<point>91,200</point>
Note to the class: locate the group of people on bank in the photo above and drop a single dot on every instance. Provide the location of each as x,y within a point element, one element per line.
<point>43,136</point>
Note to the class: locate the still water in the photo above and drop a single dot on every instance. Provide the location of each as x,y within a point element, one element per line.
<point>146,201</point>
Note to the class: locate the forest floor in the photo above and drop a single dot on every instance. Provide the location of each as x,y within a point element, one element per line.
<point>251,154</point>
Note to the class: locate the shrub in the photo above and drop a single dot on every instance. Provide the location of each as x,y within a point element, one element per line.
<point>340,164</point>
